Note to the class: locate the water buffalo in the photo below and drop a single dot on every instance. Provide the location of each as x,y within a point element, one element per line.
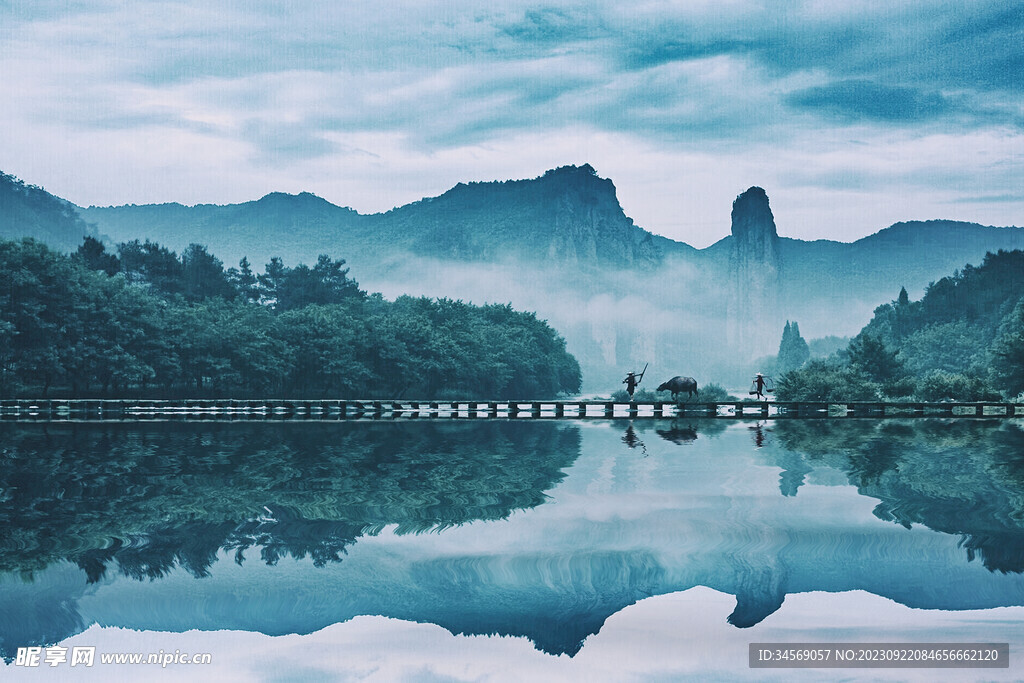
<point>678,385</point>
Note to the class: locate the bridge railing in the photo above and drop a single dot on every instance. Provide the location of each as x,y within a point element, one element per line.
<point>256,409</point>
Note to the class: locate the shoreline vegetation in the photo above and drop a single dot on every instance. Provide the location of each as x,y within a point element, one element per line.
<point>963,341</point>
<point>145,322</point>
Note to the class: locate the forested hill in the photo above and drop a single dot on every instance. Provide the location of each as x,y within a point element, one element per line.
<point>969,322</point>
<point>30,211</point>
<point>295,227</point>
<point>146,322</point>
<point>963,340</point>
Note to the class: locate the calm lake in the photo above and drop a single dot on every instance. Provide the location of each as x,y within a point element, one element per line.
<point>507,550</point>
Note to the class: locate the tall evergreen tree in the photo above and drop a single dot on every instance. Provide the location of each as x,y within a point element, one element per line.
<point>271,281</point>
<point>203,275</point>
<point>793,349</point>
<point>94,255</point>
<point>244,281</point>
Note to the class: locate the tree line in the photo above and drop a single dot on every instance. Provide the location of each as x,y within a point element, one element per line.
<point>146,322</point>
<point>964,340</point>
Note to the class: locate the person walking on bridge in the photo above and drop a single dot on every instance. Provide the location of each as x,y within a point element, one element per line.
<point>759,386</point>
<point>633,380</point>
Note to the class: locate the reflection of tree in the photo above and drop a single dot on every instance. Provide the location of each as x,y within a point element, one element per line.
<point>961,477</point>
<point>149,497</point>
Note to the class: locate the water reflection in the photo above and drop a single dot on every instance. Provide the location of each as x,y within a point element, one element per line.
<point>960,477</point>
<point>632,440</point>
<point>758,434</point>
<point>544,528</point>
<point>679,435</point>
<point>149,497</point>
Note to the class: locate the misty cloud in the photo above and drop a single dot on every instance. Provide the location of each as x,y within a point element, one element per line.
<point>671,318</point>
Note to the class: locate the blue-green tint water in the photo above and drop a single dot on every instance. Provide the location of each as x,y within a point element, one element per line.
<point>542,530</point>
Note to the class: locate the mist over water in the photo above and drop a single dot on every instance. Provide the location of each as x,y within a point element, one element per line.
<point>673,316</point>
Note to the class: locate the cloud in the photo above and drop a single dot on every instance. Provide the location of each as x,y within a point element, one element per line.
<point>555,27</point>
<point>989,199</point>
<point>858,99</point>
<point>653,71</point>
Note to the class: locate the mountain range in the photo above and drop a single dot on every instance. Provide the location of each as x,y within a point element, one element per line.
<point>568,216</point>
<point>561,245</point>
<point>31,211</point>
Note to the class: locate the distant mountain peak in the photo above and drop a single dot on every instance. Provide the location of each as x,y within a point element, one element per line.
<point>577,176</point>
<point>571,170</point>
<point>755,265</point>
<point>284,197</point>
<point>282,203</point>
<point>751,215</point>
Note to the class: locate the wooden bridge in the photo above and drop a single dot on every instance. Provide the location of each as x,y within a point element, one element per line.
<point>281,409</point>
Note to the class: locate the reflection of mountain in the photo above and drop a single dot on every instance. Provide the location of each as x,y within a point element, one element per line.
<point>617,529</point>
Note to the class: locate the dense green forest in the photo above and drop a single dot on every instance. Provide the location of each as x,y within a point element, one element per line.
<point>146,322</point>
<point>964,340</point>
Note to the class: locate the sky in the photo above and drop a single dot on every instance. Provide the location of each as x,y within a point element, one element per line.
<point>852,115</point>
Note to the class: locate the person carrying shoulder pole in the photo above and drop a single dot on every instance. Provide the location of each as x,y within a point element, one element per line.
<point>632,381</point>
<point>759,386</point>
